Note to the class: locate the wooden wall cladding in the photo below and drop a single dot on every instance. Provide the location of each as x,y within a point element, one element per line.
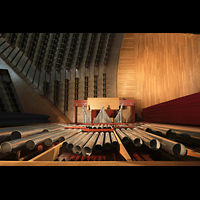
<point>158,67</point>
<point>97,103</point>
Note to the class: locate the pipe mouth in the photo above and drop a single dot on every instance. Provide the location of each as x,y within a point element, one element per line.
<point>61,139</point>
<point>48,142</point>
<point>6,147</point>
<point>76,149</point>
<point>107,146</point>
<point>155,144</point>
<point>179,150</point>
<point>70,146</point>
<point>45,130</point>
<point>98,148</point>
<point>15,135</point>
<point>30,145</point>
<point>138,142</point>
<point>149,130</point>
<point>115,144</point>
<point>64,145</point>
<point>86,151</point>
<point>125,140</point>
<point>170,134</point>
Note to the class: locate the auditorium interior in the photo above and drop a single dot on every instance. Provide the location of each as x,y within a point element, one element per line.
<point>99,99</point>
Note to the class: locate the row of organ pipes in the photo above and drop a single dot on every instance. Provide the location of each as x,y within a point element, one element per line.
<point>88,140</point>
<point>102,117</point>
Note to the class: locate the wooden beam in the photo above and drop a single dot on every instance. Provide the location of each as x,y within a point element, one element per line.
<point>97,103</point>
<point>49,155</point>
<point>100,163</point>
<point>122,149</point>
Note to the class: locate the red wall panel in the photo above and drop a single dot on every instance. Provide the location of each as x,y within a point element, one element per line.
<point>184,110</point>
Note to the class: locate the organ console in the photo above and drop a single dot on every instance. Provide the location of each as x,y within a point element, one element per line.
<point>109,105</point>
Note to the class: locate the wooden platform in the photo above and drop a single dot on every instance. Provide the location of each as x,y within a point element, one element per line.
<point>126,155</point>
<point>100,163</point>
<point>50,158</point>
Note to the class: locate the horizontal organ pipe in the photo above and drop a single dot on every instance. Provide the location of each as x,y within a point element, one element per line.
<point>99,144</point>
<point>107,143</point>
<point>137,141</point>
<point>9,146</point>
<point>87,149</point>
<point>71,134</point>
<point>79,145</point>
<point>148,141</point>
<point>31,130</point>
<point>71,144</point>
<point>188,136</point>
<point>12,133</point>
<point>30,144</point>
<point>159,131</point>
<point>70,140</point>
<point>123,136</point>
<point>5,133</point>
<point>175,148</point>
<point>19,134</point>
<point>176,127</point>
<point>115,143</point>
<point>51,139</point>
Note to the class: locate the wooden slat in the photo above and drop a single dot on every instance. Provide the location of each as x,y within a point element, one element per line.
<point>100,163</point>
<point>49,155</point>
<point>122,149</point>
